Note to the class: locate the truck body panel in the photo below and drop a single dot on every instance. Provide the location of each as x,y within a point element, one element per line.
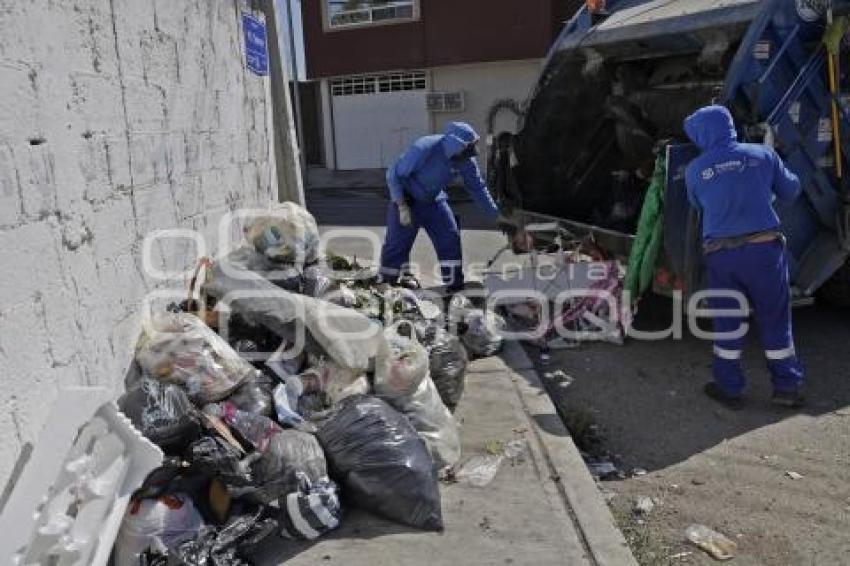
<point>616,88</point>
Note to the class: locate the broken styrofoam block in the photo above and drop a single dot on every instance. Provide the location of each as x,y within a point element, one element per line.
<point>69,499</point>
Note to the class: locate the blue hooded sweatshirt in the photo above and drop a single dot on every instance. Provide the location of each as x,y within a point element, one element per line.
<point>732,183</point>
<point>426,169</point>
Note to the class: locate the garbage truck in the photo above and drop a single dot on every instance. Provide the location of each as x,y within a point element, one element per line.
<point>612,96</point>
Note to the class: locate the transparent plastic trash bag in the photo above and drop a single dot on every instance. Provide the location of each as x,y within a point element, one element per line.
<point>179,348</point>
<point>288,233</point>
<point>401,362</point>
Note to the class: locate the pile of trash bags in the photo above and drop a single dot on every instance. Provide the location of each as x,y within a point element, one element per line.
<point>310,393</point>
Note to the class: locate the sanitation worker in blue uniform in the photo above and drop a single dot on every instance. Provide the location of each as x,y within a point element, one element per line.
<point>734,185</point>
<point>417,185</point>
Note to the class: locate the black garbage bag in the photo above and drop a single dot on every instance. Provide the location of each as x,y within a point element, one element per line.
<point>163,413</point>
<point>382,463</point>
<point>316,283</point>
<point>291,458</point>
<point>154,558</point>
<point>287,278</point>
<point>252,341</point>
<point>230,545</point>
<point>314,406</point>
<point>174,477</point>
<point>254,396</point>
<point>447,361</point>
<point>214,457</point>
<point>282,273</point>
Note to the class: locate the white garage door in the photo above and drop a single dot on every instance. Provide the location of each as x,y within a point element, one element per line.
<point>377,116</point>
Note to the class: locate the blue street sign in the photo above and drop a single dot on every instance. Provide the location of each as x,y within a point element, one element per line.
<point>256,55</point>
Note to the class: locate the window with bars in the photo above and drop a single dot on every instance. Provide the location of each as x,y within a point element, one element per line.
<point>345,13</point>
<point>401,81</point>
<point>371,84</point>
<point>353,85</point>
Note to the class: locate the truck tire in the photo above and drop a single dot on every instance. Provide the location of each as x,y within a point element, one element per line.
<point>836,290</point>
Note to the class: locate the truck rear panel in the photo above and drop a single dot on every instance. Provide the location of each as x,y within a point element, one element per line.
<point>616,91</point>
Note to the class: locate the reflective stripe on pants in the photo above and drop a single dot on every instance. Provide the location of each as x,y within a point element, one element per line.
<point>760,272</point>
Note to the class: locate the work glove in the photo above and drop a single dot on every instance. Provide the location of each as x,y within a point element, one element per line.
<point>521,241</point>
<point>506,225</point>
<point>404,215</point>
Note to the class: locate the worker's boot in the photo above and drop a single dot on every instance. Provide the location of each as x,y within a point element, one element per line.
<point>792,399</point>
<point>409,281</point>
<point>717,394</point>
<point>475,299</point>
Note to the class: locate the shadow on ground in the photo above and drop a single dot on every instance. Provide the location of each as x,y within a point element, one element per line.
<point>356,525</point>
<point>645,398</point>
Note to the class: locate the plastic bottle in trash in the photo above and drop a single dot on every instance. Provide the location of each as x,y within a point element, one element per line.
<point>255,430</point>
<point>286,397</point>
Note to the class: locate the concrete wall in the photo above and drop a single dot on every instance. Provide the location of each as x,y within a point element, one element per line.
<point>117,117</point>
<point>483,85</point>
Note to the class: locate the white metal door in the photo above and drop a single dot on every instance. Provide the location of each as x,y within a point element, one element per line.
<point>377,117</point>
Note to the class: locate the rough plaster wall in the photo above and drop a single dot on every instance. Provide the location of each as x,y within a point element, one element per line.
<point>117,117</point>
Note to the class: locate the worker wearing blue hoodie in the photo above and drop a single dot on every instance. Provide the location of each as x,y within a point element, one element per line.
<point>417,183</point>
<point>733,185</point>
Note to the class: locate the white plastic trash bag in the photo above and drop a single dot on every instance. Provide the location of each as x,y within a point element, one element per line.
<point>346,336</point>
<point>400,303</point>
<point>401,363</point>
<point>286,396</point>
<point>479,330</point>
<point>335,381</point>
<point>401,378</point>
<point>457,309</point>
<point>433,421</point>
<point>287,234</point>
<point>179,348</point>
<point>156,525</point>
<point>482,335</point>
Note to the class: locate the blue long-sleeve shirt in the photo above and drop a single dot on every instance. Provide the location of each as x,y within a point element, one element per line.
<point>732,183</point>
<point>425,170</point>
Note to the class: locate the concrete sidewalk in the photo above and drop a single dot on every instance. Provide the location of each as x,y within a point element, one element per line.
<point>542,509</point>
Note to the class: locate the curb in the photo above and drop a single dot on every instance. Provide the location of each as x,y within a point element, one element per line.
<point>590,514</point>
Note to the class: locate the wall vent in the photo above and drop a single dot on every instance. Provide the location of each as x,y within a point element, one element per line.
<point>446,102</point>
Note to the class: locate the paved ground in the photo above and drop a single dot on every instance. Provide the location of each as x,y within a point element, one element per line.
<point>713,466</point>
<point>520,518</point>
<point>641,404</point>
<point>541,509</point>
